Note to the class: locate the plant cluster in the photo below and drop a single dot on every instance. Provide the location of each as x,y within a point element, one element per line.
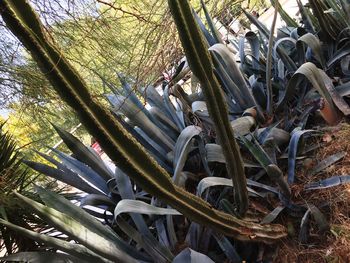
<point>200,176</point>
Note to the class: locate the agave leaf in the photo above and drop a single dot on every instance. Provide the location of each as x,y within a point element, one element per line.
<point>329,25</point>
<point>345,63</point>
<point>207,182</point>
<point>69,226</point>
<point>165,123</point>
<point>254,43</point>
<point>329,182</point>
<point>135,206</point>
<point>76,250</point>
<point>319,217</point>
<point>288,62</point>
<point>234,72</point>
<point>327,162</point>
<point>37,257</point>
<point>210,39</point>
<point>182,148</point>
<point>279,136</point>
<point>304,227</point>
<point>257,151</point>
<point>341,53</point>
<point>68,178</point>
<point>162,232</point>
<point>273,215</point>
<point>290,22</point>
<point>130,94</point>
<point>190,256</point>
<point>151,245</point>
<point>141,120</point>
<point>269,62</point>
<point>152,97</point>
<point>96,200</point>
<point>61,204</point>
<point>153,148</point>
<point>143,241</point>
<point>83,170</point>
<point>306,18</point>
<point>314,43</point>
<point>211,25</point>
<point>227,248</point>
<point>292,152</point>
<point>139,207</point>
<point>171,109</point>
<point>340,12</point>
<point>320,81</point>
<point>126,192</point>
<point>214,154</point>
<point>84,154</point>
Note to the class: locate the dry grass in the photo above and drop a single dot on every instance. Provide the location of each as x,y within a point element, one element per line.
<point>333,246</point>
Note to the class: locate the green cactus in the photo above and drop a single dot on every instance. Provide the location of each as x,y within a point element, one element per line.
<point>200,63</point>
<point>124,150</point>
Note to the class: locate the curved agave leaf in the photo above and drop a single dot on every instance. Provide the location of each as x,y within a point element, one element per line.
<point>143,242</point>
<point>234,72</point>
<point>207,182</point>
<point>314,43</point>
<point>182,148</point>
<point>190,256</point>
<point>35,257</point>
<point>254,43</point>
<point>214,154</point>
<point>339,54</point>
<point>320,81</point>
<point>135,206</point>
<point>76,250</point>
<point>292,152</point>
<point>288,62</point>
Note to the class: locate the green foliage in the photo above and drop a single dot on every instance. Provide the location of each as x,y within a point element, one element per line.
<point>299,73</point>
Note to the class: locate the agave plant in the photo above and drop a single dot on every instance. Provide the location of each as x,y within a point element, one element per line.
<point>189,145</point>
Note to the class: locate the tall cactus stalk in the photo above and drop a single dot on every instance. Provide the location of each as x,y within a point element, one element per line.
<point>123,149</point>
<point>201,65</point>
